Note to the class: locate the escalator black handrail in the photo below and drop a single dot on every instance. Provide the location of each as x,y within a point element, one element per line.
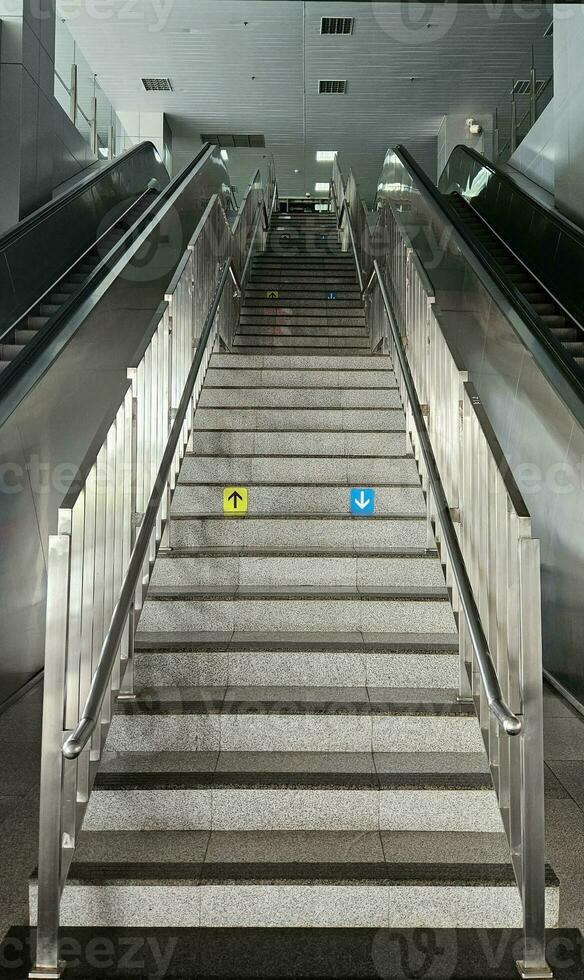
<point>554,217</point>
<point>55,285</point>
<point>20,363</point>
<point>52,207</point>
<point>548,353</point>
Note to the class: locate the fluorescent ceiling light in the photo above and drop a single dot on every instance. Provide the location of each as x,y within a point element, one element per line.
<point>224,155</point>
<point>322,188</point>
<point>325,156</point>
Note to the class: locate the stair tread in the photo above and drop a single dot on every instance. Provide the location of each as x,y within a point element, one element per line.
<point>280,847</point>
<point>419,702</point>
<point>309,873</point>
<point>288,592</point>
<point>238,641</point>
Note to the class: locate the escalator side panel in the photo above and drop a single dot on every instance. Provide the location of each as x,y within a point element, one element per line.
<point>552,249</point>
<point>43,247</point>
<point>540,431</point>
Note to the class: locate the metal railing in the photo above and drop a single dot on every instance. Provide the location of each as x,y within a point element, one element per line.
<point>482,528</point>
<point>520,125</point>
<point>110,527</point>
<point>491,559</point>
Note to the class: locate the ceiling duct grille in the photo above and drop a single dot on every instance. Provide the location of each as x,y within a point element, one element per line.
<point>337,25</point>
<point>254,141</point>
<point>522,86</point>
<point>332,87</point>
<point>157,84</point>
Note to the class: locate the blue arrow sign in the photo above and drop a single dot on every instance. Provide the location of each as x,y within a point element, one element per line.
<point>362,501</point>
<point>330,295</point>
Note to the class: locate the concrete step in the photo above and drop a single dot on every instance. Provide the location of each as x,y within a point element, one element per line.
<point>295,880</point>
<point>304,318</point>
<point>311,398</point>
<point>339,350</point>
<point>339,660</point>
<point>257,288</point>
<point>274,499</point>
<point>213,442</point>
<point>288,342</point>
<point>298,362</point>
<point>352,471</point>
<point>256,300</point>
<point>324,281</point>
<point>417,609</point>
<point>285,328</point>
<point>268,720</point>
<point>192,570</point>
<point>292,379</point>
<point>302,532</point>
<point>274,420</point>
<point>264,793</point>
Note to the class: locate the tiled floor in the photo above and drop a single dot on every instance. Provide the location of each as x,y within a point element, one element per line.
<point>19,777</point>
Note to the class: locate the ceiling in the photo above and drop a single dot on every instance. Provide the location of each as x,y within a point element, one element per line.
<point>253,66</point>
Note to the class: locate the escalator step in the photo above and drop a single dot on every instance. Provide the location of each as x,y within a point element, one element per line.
<point>22,337</point>
<point>9,351</point>
<point>565,334</point>
<point>544,309</point>
<point>36,322</point>
<point>554,321</point>
<point>47,309</point>
<point>575,348</point>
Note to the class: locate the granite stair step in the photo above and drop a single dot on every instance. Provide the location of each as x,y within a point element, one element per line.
<point>299,531</point>
<point>192,499</point>
<point>271,378</point>
<point>317,363</point>
<point>267,396</point>
<point>283,470</point>
<point>258,420</point>
<point>219,894</point>
<point>284,660</point>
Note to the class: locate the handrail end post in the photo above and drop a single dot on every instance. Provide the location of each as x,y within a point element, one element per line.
<point>47,972</point>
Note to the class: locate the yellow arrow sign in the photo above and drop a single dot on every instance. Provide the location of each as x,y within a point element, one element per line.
<point>235,500</point>
<point>273,294</point>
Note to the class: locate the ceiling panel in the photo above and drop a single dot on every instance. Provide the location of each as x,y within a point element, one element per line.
<point>253,66</point>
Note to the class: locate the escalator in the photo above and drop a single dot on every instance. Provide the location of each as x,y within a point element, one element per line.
<point>563,328</point>
<point>505,274</point>
<point>49,259</point>
<point>67,288</point>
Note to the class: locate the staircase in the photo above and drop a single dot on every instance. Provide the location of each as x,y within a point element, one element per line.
<point>296,756</point>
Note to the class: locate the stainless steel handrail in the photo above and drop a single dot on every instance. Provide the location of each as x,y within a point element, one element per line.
<point>345,210</point>
<point>507,720</point>
<point>76,742</point>
<point>261,213</point>
<point>56,283</point>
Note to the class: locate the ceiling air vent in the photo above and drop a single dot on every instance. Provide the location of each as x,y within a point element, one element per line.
<point>254,141</point>
<point>157,84</point>
<point>337,25</point>
<point>522,86</point>
<point>332,87</point>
